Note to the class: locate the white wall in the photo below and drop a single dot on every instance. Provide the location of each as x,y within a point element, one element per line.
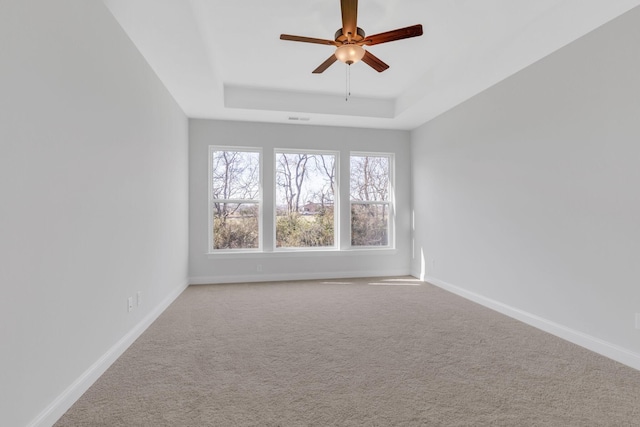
<point>93,201</point>
<point>218,268</point>
<point>526,196</point>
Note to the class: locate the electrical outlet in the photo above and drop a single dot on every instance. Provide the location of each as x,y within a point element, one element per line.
<point>259,268</point>
<point>138,298</point>
<point>130,303</point>
<point>637,320</point>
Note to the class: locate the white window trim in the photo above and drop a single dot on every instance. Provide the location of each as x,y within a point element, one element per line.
<point>259,201</point>
<point>339,248</point>
<point>391,221</point>
<point>336,204</point>
<point>302,253</point>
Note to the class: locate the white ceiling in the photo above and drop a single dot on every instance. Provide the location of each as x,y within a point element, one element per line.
<point>224,59</point>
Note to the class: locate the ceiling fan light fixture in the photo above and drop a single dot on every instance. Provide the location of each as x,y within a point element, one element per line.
<point>350,53</point>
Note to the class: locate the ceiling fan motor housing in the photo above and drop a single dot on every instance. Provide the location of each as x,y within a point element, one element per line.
<point>343,38</point>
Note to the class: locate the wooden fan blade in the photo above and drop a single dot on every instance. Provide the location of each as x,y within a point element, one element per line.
<point>389,36</point>
<point>307,39</point>
<point>374,62</point>
<point>349,17</point>
<point>326,64</point>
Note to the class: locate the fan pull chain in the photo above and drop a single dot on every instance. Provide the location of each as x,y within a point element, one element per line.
<point>346,84</point>
<point>347,89</point>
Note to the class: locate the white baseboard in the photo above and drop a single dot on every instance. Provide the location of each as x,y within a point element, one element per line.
<point>64,401</point>
<point>604,348</point>
<point>281,277</point>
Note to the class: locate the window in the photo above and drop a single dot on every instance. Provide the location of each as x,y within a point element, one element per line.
<point>303,209</point>
<point>370,188</point>
<point>305,199</point>
<point>235,198</point>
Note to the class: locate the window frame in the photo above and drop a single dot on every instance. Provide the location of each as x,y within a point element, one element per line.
<point>391,220</point>
<point>266,207</point>
<point>259,200</point>
<point>336,204</point>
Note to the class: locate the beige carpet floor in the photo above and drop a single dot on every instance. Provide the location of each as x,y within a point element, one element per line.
<point>362,352</point>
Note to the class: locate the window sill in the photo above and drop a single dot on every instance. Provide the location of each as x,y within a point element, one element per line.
<point>289,253</point>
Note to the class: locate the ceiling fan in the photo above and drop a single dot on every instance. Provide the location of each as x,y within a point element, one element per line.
<point>350,38</point>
